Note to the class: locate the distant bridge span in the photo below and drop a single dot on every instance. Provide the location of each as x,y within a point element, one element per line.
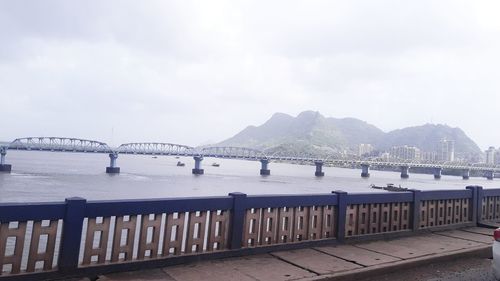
<point>59,144</point>
<point>62,144</point>
<point>233,153</point>
<point>156,148</point>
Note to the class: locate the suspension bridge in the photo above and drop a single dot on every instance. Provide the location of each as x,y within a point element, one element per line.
<point>62,144</point>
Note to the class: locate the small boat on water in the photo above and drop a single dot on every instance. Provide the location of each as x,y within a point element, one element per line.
<point>180,164</point>
<point>215,164</point>
<point>390,187</point>
<point>154,157</point>
<point>176,157</point>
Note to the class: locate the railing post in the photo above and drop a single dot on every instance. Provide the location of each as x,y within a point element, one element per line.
<point>237,220</point>
<point>416,209</point>
<point>71,234</point>
<point>480,196</point>
<point>476,203</point>
<point>341,214</point>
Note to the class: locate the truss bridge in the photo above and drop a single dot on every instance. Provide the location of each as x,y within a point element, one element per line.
<point>63,144</point>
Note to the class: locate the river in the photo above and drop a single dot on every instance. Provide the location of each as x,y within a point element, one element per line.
<point>53,176</point>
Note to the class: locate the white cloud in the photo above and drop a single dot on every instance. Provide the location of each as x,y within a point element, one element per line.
<point>190,71</point>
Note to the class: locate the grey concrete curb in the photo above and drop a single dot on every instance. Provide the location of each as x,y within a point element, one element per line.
<point>481,252</point>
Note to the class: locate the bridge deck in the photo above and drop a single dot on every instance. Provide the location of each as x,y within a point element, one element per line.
<point>345,262</point>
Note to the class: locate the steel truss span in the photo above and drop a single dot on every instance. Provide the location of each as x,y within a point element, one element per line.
<point>59,144</point>
<point>232,152</point>
<point>156,148</point>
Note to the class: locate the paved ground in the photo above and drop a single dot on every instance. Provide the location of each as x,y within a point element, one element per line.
<point>421,257</point>
<point>467,269</point>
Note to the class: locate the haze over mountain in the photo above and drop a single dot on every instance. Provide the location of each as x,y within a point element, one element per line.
<point>312,133</point>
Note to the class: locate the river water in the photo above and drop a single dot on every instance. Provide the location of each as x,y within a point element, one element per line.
<point>53,176</point>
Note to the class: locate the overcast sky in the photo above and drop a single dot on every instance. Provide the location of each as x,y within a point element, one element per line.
<point>192,72</point>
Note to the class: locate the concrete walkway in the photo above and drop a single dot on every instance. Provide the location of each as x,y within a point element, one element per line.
<point>342,262</point>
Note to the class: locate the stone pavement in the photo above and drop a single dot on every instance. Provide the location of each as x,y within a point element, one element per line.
<point>340,262</point>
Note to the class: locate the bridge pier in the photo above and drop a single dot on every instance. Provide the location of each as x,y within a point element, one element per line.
<point>490,174</point>
<point>112,169</point>
<point>437,172</point>
<point>404,172</point>
<point>4,167</point>
<point>264,170</point>
<point>466,174</point>
<point>365,170</point>
<point>319,168</point>
<point>197,166</point>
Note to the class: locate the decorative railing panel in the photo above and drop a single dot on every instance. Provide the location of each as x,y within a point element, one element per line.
<point>149,242</point>
<point>14,233</point>
<point>218,230</point>
<point>378,213</point>
<point>140,237</point>
<point>40,236</point>
<point>174,234</point>
<point>96,240</point>
<point>43,245</point>
<point>490,208</point>
<point>273,220</point>
<point>375,218</point>
<point>29,239</point>
<point>444,212</point>
<point>447,208</point>
<point>268,226</point>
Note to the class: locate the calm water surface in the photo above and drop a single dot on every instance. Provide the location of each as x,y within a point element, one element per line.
<point>52,176</point>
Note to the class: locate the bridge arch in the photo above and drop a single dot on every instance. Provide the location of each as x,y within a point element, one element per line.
<point>232,152</point>
<point>281,155</point>
<point>156,148</point>
<point>60,144</point>
<point>336,158</point>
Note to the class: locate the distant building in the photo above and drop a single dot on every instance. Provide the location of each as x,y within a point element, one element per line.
<point>364,148</point>
<point>490,155</point>
<point>429,156</point>
<point>386,156</point>
<point>405,152</point>
<point>446,151</point>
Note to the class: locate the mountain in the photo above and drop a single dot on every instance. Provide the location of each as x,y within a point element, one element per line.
<point>312,133</point>
<point>309,132</point>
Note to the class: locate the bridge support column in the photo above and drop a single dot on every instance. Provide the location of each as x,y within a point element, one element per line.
<point>490,174</point>
<point>319,168</point>
<point>112,169</point>
<point>404,172</point>
<point>365,170</point>
<point>264,170</point>
<point>4,167</point>
<point>437,172</point>
<point>466,174</point>
<point>197,166</point>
